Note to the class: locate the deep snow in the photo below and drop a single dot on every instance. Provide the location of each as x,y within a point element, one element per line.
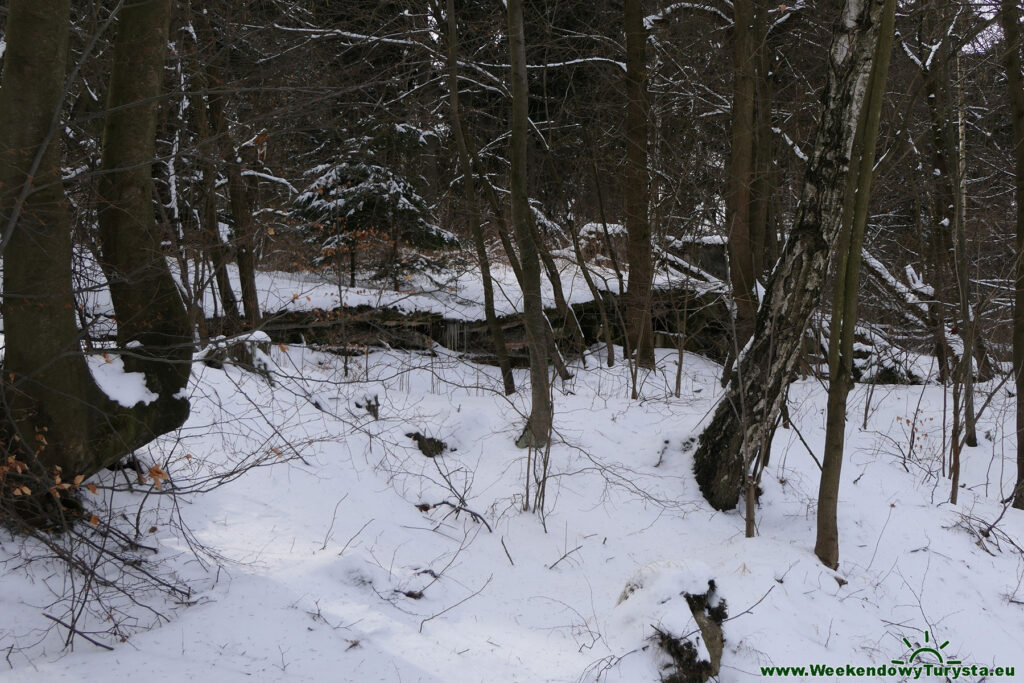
<point>316,563</point>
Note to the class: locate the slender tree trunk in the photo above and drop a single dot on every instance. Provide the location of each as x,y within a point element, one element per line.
<point>738,202</point>
<point>636,188</point>
<point>749,191</point>
<point>594,292</point>
<point>844,303</point>
<point>968,328</point>
<point>499,216</point>
<point>1010,19</point>
<point>241,211</point>
<point>238,195</point>
<point>561,305</point>
<point>538,426</point>
<point>734,437</point>
<point>943,211</point>
<point>209,227</point>
<point>763,188</point>
<point>471,199</point>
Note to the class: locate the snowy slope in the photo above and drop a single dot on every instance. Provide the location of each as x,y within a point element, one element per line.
<point>323,568</point>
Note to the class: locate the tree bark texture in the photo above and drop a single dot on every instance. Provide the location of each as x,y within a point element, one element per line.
<point>847,285</point>
<point>636,188</point>
<point>738,196</point>
<point>47,383</point>
<point>735,436</point>
<point>539,424</point>
<point>55,404</point>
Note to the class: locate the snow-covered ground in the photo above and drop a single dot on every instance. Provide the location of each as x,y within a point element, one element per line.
<point>455,292</point>
<point>323,568</point>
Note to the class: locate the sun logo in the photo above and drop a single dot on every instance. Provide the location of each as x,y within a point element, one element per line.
<point>926,648</point>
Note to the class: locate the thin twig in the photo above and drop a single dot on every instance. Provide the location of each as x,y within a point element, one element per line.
<point>73,630</point>
<point>448,609</point>
<point>507,554</point>
<point>334,517</point>
<point>748,610</point>
<point>354,537</point>
<point>459,508</point>
<point>567,554</point>
<point>801,437</point>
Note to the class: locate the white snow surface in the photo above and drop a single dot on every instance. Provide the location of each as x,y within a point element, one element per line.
<point>126,388</point>
<point>324,569</point>
<point>456,294</point>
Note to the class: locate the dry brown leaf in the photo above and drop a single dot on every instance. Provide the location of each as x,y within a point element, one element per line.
<point>159,476</point>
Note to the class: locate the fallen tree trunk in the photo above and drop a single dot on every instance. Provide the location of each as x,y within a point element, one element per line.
<point>705,318</point>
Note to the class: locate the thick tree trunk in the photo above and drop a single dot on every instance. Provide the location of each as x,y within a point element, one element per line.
<point>737,432</point>
<point>538,426</point>
<point>1010,19</point>
<point>636,188</point>
<point>49,388</point>
<point>844,302</point>
<point>146,299</point>
<point>471,199</point>
<point>43,365</point>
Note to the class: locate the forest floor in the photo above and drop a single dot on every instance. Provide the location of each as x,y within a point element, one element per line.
<point>346,554</point>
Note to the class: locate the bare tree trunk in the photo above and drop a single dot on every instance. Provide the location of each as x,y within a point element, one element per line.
<point>145,297</point>
<point>561,305</point>
<point>589,143</point>
<point>968,326</point>
<point>944,212</point>
<point>538,426</point>
<point>1010,19</point>
<point>238,195</point>
<point>749,189</point>
<point>209,227</point>
<point>471,199</point>
<point>46,381</point>
<point>636,188</point>
<point>734,437</point>
<point>844,303</point>
<point>48,385</point>
<point>763,184</point>
<point>740,177</point>
<point>594,292</point>
<point>241,211</point>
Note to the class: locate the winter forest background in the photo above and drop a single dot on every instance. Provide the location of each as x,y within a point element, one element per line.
<point>461,340</point>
